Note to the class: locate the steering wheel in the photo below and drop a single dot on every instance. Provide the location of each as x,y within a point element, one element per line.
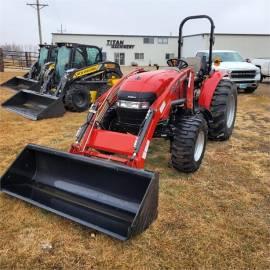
<point>180,63</point>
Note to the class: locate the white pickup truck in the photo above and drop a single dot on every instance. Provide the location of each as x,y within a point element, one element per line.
<point>245,75</point>
<point>264,65</point>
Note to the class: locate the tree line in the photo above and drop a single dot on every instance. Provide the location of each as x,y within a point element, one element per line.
<point>19,47</point>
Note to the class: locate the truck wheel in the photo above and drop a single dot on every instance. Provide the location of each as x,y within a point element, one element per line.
<point>188,143</point>
<point>223,110</point>
<point>77,99</point>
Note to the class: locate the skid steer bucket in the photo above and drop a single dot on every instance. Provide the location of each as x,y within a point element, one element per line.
<point>20,83</point>
<point>35,106</point>
<point>114,199</point>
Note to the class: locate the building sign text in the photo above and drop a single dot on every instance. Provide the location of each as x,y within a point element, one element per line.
<point>119,44</point>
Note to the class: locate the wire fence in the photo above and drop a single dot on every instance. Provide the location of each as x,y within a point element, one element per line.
<point>18,59</point>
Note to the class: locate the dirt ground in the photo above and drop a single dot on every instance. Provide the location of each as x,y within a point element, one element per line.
<point>216,218</point>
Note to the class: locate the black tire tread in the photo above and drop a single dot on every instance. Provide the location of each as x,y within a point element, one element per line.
<point>182,147</point>
<point>217,127</point>
<point>68,101</point>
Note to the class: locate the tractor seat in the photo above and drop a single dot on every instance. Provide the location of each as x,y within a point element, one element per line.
<point>194,62</point>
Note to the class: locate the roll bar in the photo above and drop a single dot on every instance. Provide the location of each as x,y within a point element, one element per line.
<point>211,39</point>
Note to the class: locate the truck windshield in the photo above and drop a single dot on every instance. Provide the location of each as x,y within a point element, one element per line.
<point>224,56</point>
<point>43,55</point>
<point>62,63</point>
<point>228,56</point>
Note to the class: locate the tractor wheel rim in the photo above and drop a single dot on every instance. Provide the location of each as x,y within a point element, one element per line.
<point>230,110</point>
<point>199,146</point>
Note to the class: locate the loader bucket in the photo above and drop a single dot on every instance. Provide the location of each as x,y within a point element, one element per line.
<point>20,83</point>
<point>114,199</point>
<point>35,106</point>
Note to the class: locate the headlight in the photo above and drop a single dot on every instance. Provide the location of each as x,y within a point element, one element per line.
<point>132,104</point>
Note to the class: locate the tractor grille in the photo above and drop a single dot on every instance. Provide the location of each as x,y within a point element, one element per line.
<point>134,117</point>
<point>239,74</point>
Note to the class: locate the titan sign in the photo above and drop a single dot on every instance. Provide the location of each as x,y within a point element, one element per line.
<point>115,44</point>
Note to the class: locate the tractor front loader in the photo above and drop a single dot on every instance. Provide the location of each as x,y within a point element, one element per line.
<point>79,75</point>
<point>34,78</point>
<point>101,182</point>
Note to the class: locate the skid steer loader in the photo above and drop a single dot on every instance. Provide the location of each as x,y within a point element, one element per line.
<point>78,76</point>
<point>34,78</point>
<point>101,182</point>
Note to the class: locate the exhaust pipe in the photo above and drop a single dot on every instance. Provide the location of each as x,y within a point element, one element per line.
<point>114,199</point>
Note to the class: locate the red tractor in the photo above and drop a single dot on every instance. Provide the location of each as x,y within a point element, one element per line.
<point>185,103</point>
<point>101,182</point>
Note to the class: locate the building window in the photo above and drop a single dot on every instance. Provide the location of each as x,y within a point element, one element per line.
<point>148,40</point>
<point>169,56</point>
<point>139,56</point>
<point>162,40</point>
<point>104,56</point>
<point>119,58</point>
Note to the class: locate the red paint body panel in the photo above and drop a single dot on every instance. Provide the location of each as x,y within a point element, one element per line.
<point>168,85</point>
<point>110,141</point>
<point>151,81</point>
<point>208,88</point>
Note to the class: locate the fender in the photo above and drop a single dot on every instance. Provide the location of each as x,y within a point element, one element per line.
<point>208,88</point>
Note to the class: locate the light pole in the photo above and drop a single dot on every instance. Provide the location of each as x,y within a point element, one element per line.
<point>38,7</point>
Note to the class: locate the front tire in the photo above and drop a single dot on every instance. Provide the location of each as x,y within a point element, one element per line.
<point>223,109</point>
<point>188,143</point>
<point>77,99</point>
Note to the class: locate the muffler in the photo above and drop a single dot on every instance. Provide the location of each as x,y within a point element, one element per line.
<point>35,106</point>
<point>19,83</point>
<point>111,198</point>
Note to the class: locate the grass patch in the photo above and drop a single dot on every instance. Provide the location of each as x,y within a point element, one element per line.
<point>216,218</point>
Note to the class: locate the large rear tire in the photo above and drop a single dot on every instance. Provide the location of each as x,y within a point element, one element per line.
<point>77,99</point>
<point>188,144</point>
<point>223,109</point>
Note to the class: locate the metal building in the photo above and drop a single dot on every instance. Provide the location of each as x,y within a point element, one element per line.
<point>149,50</point>
<point>127,49</point>
<point>248,45</point>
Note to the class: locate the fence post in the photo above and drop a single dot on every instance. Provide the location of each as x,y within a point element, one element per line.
<point>1,60</point>
<point>30,59</point>
<point>26,59</point>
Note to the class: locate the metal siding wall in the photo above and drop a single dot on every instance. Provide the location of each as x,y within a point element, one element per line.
<point>191,45</point>
<point>248,46</point>
<point>153,53</point>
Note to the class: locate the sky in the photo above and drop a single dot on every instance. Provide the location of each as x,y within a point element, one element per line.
<point>18,22</point>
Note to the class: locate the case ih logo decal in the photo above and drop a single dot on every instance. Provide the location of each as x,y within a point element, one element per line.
<point>119,44</point>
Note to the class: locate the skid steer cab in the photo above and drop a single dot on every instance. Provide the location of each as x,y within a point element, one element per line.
<point>34,78</point>
<point>75,81</point>
<point>105,185</point>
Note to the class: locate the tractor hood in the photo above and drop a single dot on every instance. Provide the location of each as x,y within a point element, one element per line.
<point>153,82</point>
